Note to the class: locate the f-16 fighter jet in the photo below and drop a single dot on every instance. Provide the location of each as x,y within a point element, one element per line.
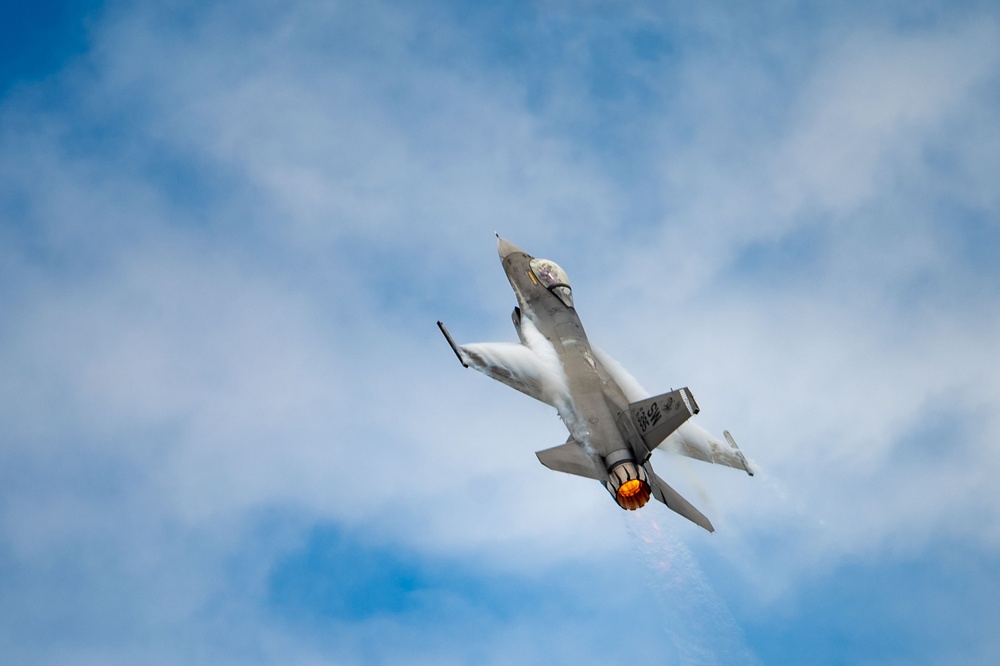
<point>613,429</point>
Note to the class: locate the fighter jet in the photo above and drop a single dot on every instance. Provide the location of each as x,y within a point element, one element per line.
<point>611,434</point>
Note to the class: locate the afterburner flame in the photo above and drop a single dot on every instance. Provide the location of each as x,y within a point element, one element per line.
<point>633,494</point>
<point>630,488</point>
<point>628,484</point>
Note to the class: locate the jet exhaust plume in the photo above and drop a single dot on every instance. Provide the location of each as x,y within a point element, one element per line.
<point>699,625</point>
<point>633,494</point>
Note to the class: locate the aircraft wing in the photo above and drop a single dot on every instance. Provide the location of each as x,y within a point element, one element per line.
<point>693,441</point>
<point>512,363</point>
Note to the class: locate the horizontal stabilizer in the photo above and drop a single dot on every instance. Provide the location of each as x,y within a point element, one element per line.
<point>571,459</point>
<point>657,417</point>
<point>675,502</point>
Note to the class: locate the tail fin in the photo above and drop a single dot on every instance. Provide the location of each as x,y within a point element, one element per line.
<point>657,417</point>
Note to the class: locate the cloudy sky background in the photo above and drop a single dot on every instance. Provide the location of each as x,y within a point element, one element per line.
<point>231,432</point>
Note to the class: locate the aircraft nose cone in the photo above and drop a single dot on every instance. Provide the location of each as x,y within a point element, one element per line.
<point>505,247</point>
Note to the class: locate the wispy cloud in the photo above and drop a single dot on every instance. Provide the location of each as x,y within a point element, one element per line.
<point>227,232</point>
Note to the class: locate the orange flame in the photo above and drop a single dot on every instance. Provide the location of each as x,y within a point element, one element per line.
<point>633,494</point>
<point>630,488</point>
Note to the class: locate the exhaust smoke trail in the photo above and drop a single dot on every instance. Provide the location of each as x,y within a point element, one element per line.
<point>700,627</point>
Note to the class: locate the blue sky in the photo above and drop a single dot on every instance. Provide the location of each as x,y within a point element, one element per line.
<point>231,432</point>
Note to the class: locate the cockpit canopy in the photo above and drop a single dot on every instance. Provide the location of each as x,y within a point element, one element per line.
<point>553,278</point>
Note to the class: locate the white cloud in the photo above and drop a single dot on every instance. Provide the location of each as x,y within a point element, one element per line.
<point>829,368</point>
<point>865,119</point>
<point>173,369</point>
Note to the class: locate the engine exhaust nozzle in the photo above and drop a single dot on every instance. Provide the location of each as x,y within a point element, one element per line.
<point>628,484</point>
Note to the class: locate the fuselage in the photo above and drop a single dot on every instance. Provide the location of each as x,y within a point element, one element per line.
<point>593,394</point>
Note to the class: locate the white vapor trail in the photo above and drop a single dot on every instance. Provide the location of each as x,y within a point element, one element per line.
<point>700,626</point>
<point>534,364</point>
<point>562,399</point>
<point>555,382</point>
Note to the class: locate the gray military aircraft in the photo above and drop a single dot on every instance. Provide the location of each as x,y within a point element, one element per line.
<point>612,435</point>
